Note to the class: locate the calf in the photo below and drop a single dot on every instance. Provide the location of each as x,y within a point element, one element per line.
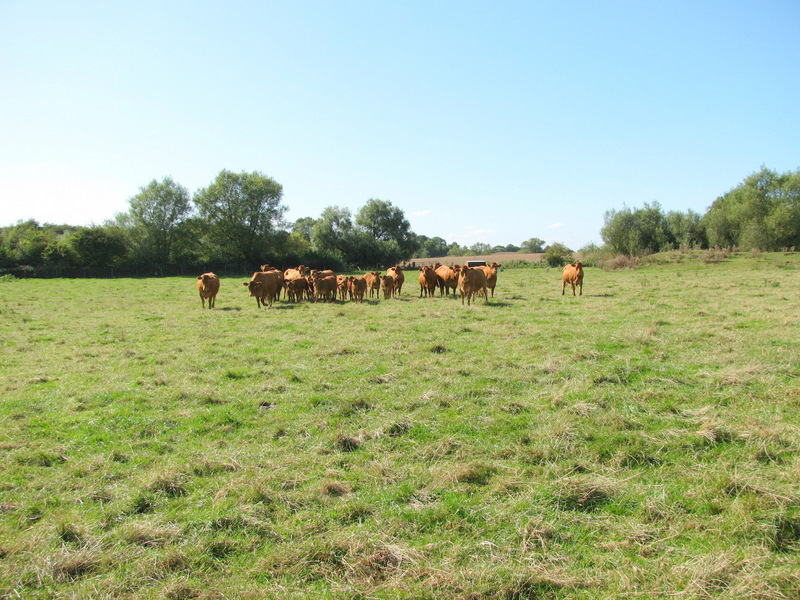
<point>427,281</point>
<point>357,288</point>
<point>573,275</point>
<point>208,286</point>
<point>373,283</point>
<point>388,285</point>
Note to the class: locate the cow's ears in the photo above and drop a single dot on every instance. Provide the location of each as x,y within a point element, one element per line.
<point>199,276</point>
<point>246,283</point>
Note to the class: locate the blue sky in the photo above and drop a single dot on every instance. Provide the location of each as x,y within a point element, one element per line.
<point>483,121</point>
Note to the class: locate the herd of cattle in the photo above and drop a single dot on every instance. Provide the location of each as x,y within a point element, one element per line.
<point>303,283</point>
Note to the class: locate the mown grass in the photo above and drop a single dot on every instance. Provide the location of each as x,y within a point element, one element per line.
<point>641,440</point>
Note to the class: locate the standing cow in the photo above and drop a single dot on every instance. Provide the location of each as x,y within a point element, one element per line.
<point>471,280</point>
<point>573,275</point>
<point>264,286</point>
<point>208,286</point>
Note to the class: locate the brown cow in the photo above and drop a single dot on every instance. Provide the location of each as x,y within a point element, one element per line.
<point>446,279</point>
<point>388,285</point>
<point>573,275</point>
<point>470,281</point>
<point>290,274</point>
<point>373,283</point>
<point>427,281</point>
<point>397,272</point>
<point>357,288</point>
<point>325,288</point>
<point>491,275</point>
<point>343,287</point>
<point>264,286</point>
<point>208,286</point>
<point>295,288</point>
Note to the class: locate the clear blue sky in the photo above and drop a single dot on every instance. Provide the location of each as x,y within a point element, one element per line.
<point>483,121</point>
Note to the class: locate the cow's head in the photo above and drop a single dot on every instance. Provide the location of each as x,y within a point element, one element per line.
<point>253,286</point>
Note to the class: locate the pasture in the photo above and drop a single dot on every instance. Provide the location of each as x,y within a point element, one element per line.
<point>639,441</point>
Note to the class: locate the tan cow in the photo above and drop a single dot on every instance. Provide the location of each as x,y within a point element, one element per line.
<point>397,272</point>
<point>264,286</point>
<point>573,275</point>
<point>446,279</point>
<point>427,281</point>
<point>491,275</point>
<point>208,286</point>
<point>373,283</point>
<point>357,288</point>
<point>470,281</point>
<point>388,285</point>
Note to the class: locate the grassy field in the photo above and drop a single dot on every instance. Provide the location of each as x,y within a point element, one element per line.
<point>642,440</point>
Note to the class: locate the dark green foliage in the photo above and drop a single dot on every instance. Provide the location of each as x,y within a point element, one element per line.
<point>762,212</point>
<point>557,255</point>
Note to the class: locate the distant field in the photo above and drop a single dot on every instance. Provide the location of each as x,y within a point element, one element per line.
<point>498,257</point>
<point>640,441</point>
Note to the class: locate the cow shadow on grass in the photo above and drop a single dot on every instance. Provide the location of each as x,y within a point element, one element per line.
<point>497,304</point>
<point>230,308</point>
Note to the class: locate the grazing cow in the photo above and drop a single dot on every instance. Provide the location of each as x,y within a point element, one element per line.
<point>573,275</point>
<point>208,286</point>
<point>427,281</point>
<point>397,272</point>
<point>388,285</point>
<point>357,288</point>
<point>491,275</point>
<point>470,281</point>
<point>264,286</point>
<point>446,279</point>
<point>325,288</point>
<point>373,283</point>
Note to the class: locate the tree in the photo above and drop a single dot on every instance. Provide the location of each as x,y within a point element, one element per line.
<point>762,212</point>
<point>637,231</point>
<point>386,223</point>
<point>480,248</point>
<point>241,210</point>
<point>303,227</point>
<point>532,246</point>
<point>333,232</point>
<point>156,214</point>
<point>100,246</point>
<point>557,255</point>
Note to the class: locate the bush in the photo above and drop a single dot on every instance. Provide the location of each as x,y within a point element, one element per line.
<point>557,255</point>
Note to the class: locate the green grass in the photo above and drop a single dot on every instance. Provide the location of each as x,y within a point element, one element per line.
<point>642,440</point>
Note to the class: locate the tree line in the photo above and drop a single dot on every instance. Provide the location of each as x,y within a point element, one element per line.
<point>762,212</point>
<point>239,219</point>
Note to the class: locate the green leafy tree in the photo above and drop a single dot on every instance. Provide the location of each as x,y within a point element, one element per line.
<point>333,232</point>
<point>637,231</point>
<point>479,248</point>
<point>303,227</point>
<point>100,246</point>
<point>241,210</point>
<point>762,212</point>
<point>155,217</point>
<point>383,221</point>
<point>557,255</point>
<point>532,246</point>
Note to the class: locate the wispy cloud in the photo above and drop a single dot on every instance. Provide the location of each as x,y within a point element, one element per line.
<point>555,226</point>
<point>421,213</point>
